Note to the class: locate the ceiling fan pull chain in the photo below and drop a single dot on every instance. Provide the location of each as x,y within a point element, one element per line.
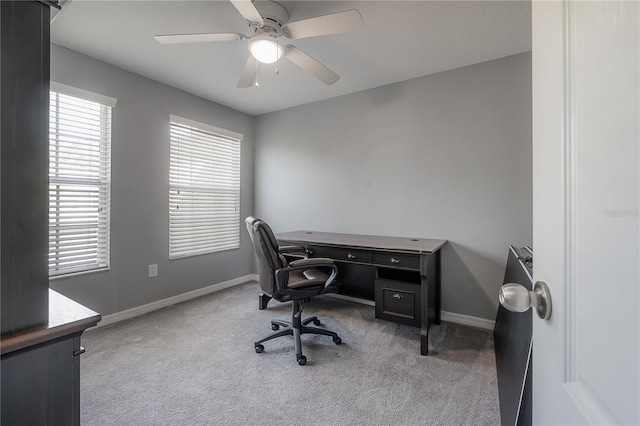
<point>279,56</point>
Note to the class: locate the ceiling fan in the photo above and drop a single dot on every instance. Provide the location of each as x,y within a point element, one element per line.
<point>268,21</point>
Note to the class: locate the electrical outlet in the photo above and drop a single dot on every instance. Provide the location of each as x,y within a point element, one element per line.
<point>153,270</point>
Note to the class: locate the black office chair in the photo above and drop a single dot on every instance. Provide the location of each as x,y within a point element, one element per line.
<point>296,282</point>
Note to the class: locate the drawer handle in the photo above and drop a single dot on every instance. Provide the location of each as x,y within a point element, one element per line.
<point>310,252</point>
<point>397,296</point>
<point>395,260</point>
<point>351,256</point>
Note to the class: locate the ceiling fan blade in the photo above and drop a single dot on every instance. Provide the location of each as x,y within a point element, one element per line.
<point>198,38</point>
<point>248,10</point>
<point>335,23</point>
<point>310,65</point>
<point>249,73</point>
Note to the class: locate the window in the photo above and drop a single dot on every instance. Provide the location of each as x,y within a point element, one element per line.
<point>204,189</point>
<point>79,180</point>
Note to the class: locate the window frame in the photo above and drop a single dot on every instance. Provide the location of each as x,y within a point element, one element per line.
<point>101,186</point>
<point>189,144</point>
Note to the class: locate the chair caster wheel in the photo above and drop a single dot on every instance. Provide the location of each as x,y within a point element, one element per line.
<point>337,340</point>
<point>302,360</point>
<point>316,322</point>
<point>259,349</point>
<point>275,327</point>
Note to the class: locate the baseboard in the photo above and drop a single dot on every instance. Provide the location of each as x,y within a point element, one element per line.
<point>482,323</point>
<point>352,299</point>
<point>485,324</point>
<point>154,306</point>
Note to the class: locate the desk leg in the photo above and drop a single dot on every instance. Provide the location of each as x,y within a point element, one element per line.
<point>434,272</point>
<point>424,316</point>
<point>263,300</point>
<point>430,296</point>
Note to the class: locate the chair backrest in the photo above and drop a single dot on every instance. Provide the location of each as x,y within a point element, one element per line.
<point>269,259</point>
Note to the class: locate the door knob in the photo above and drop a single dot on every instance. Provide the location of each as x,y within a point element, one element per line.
<point>517,298</point>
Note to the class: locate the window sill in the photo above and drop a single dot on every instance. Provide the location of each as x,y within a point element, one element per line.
<point>77,274</point>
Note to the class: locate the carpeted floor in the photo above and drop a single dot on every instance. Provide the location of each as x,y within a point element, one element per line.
<point>194,364</point>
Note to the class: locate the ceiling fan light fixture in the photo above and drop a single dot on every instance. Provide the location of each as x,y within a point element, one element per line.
<point>265,49</point>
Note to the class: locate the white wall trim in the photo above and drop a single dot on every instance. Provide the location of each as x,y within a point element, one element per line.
<point>471,321</point>
<point>352,299</point>
<point>208,127</point>
<point>154,306</point>
<point>81,93</point>
<point>477,322</point>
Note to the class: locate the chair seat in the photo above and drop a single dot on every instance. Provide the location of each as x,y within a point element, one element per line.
<point>315,274</point>
<point>298,280</point>
<point>311,279</point>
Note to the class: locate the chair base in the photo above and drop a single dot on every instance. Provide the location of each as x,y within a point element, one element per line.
<point>296,327</point>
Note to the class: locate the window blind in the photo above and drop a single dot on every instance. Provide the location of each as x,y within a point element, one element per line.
<point>79,183</point>
<point>204,189</point>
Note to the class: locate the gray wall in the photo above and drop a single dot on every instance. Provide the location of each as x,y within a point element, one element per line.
<point>443,156</point>
<point>139,191</point>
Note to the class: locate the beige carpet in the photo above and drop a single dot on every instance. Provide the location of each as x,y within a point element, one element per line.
<point>194,364</point>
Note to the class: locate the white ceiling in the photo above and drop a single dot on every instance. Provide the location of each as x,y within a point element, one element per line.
<point>401,40</point>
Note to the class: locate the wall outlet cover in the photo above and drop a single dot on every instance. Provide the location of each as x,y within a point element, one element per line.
<point>153,270</point>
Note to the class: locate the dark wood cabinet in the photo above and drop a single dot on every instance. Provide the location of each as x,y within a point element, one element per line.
<point>41,329</point>
<point>24,168</point>
<point>42,365</point>
<point>40,368</point>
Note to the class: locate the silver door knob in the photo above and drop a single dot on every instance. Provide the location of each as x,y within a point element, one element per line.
<point>516,298</point>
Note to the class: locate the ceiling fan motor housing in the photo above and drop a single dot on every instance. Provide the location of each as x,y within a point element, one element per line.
<point>274,15</point>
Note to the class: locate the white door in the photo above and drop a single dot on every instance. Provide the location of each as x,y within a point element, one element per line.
<point>586,157</point>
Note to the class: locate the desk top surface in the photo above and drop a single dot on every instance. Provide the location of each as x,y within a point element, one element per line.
<point>419,245</point>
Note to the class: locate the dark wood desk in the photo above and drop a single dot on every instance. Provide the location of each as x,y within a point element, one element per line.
<point>387,270</point>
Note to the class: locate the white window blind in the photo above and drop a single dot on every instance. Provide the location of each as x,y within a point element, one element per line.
<point>79,181</point>
<point>204,189</point>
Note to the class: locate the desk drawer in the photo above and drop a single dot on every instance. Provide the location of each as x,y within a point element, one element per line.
<point>338,253</point>
<point>397,260</point>
<point>398,301</point>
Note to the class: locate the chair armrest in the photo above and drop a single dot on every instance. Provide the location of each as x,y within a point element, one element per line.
<point>311,263</point>
<point>293,250</point>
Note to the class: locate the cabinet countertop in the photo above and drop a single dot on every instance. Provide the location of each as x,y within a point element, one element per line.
<point>65,317</point>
